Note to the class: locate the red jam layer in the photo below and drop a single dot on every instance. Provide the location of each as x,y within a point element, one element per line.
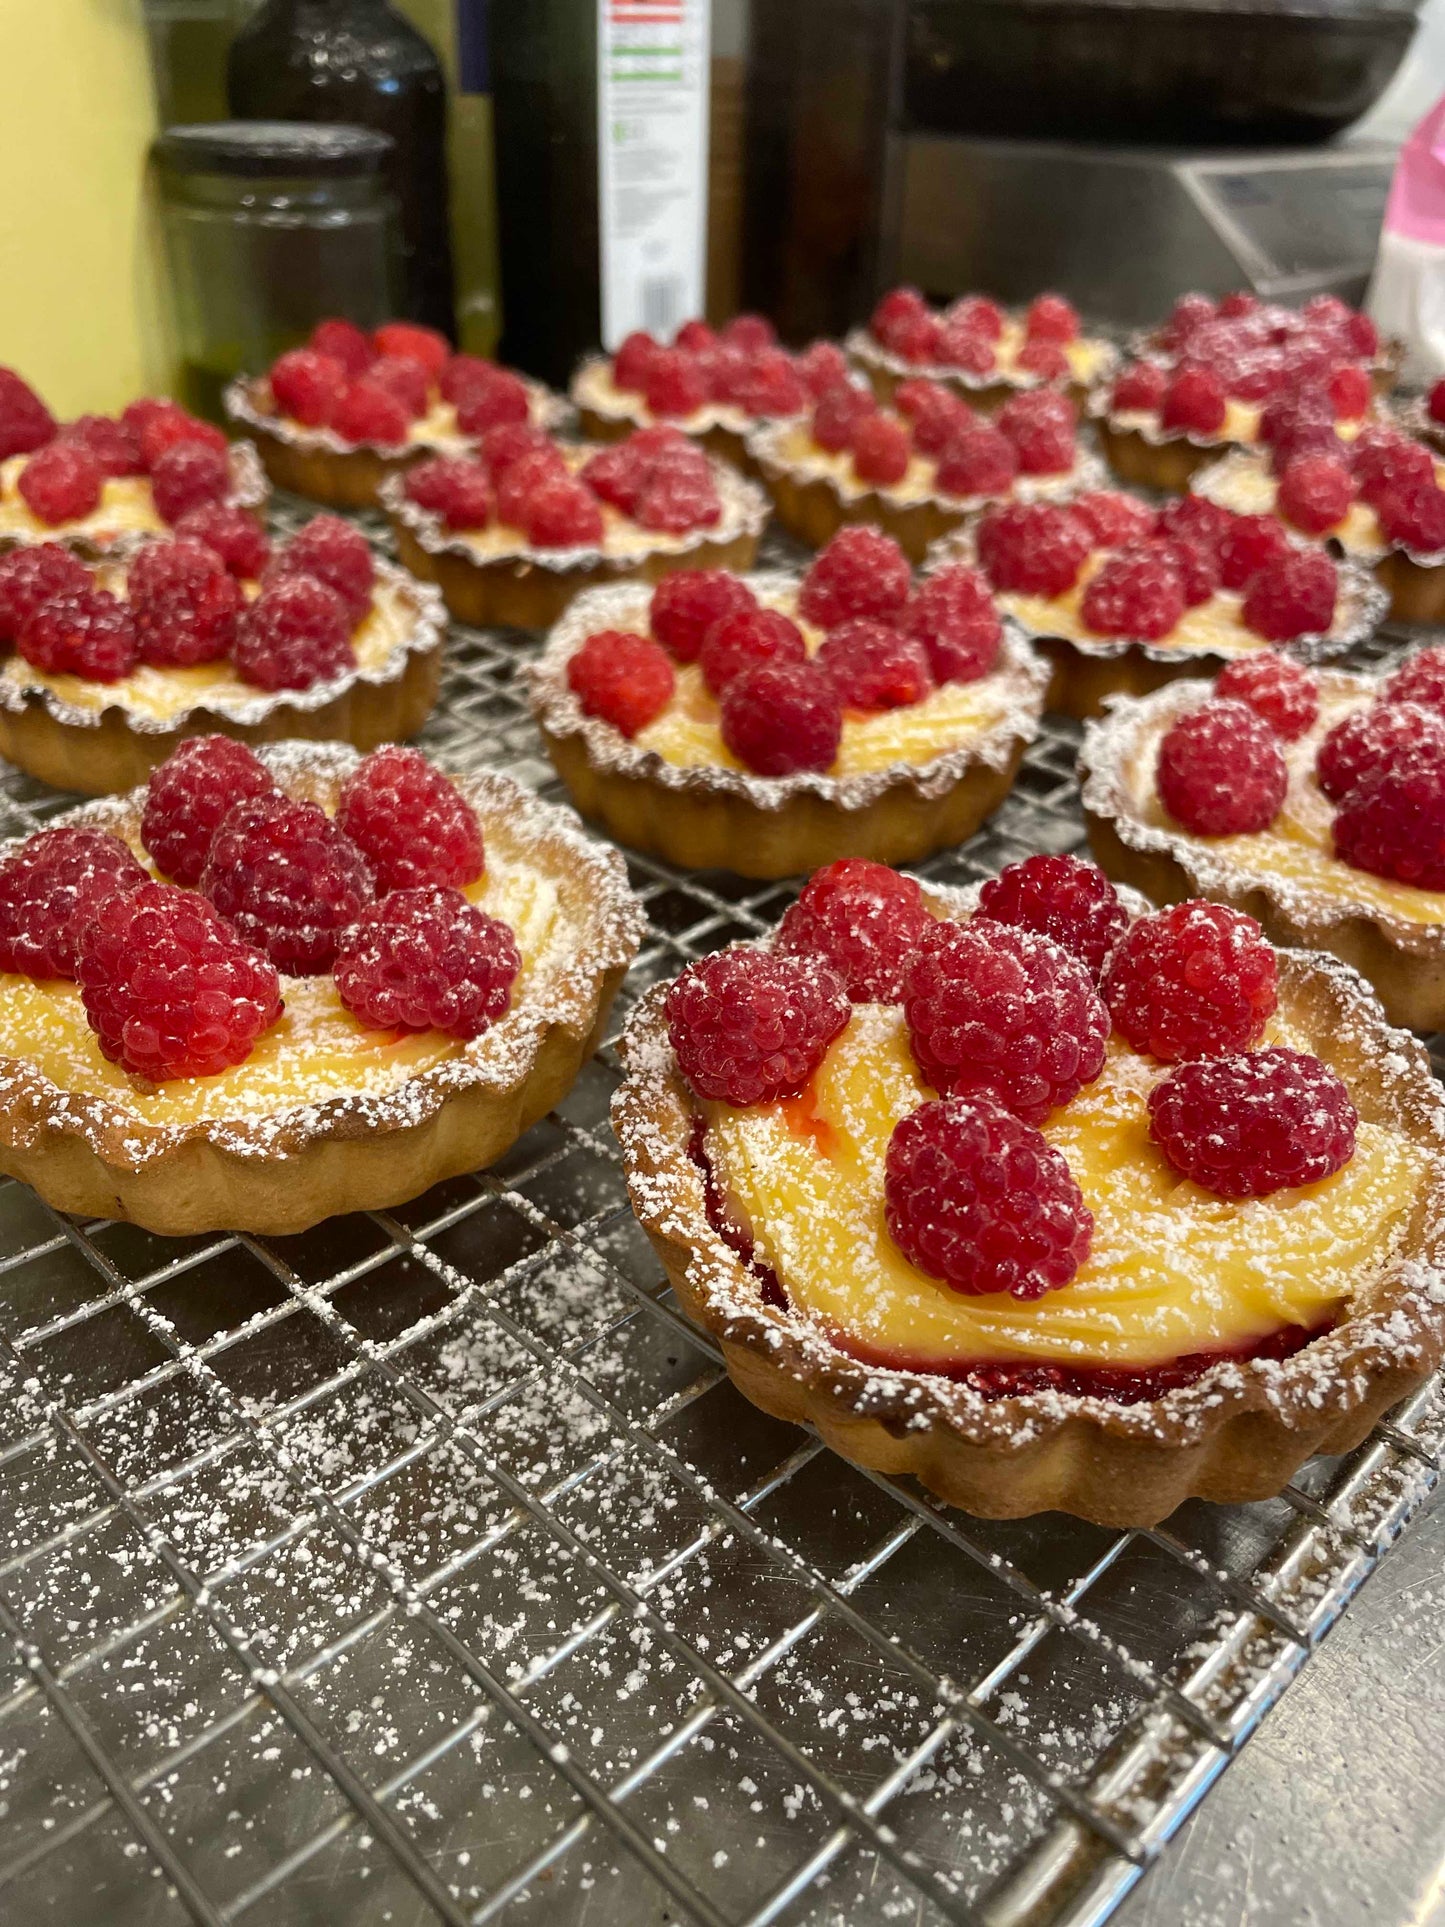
<point>1123,1384</point>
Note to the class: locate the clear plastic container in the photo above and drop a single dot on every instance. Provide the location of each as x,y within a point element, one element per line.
<point>269,226</point>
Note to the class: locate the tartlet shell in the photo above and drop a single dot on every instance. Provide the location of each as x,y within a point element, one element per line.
<point>282,1173</point>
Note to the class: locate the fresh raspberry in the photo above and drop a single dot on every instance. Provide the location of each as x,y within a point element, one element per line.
<point>1244,1127</point>
<point>751,1026</point>
<point>425,958</point>
<point>411,341</point>
<point>750,332</point>
<point>675,385</point>
<point>454,487</point>
<point>695,335</point>
<point>188,796</point>
<point>367,412</point>
<point>86,632</point>
<point>1293,596</point>
<point>1187,315</point>
<point>234,534</point>
<point>138,415</point>
<point>1193,518</point>
<point>959,344</point>
<point>1368,741</point>
<point>562,514</point>
<point>1315,493</point>
<point>1221,770</point>
<point>625,679</point>
<point>861,572</point>
<point>620,474</point>
<point>496,398</point>
<point>1362,337</point>
<point>1139,388</point>
<point>782,717</point>
<point>677,496</point>
<point>632,361</point>
<point>1420,678</point>
<point>1281,690</point>
<point>900,307</point>
<point>1194,402</point>
<point>111,443</point>
<point>25,422</point>
<point>837,415</point>
<point>336,553</point>
<point>403,378</point>
<point>1113,518</point>
<point>771,386</point>
<point>1049,317</point>
<point>821,366</point>
<point>33,576</point>
<point>61,482</point>
<point>727,372</point>
<point>288,878</point>
<point>881,450</point>
<point>168,987</point>
<point>935,414</point>
<point>687,603</point>
<point>410,822</point>
<point>1000,1012</point>
<point>953,615</point>
<point>1350,390</point>
<point>875,666</point>
<point>863,920</point>
<point>294,634</point>
<point>1392,824</point>
<point>1032,548</point>
<point>1383,461</point>
<point>508,442</point>
<point>169,426</point>
<point>186,476</point>
<point>925,341</point>
<point>50,890</point>
<point>1041,426</point>
<point>978,314</point>
<point>1248,544</point>
<point>982,1201</point>
<point>1138,593</point>
<point>1241,302</point>
<point>465,375</point>
<point>1043,358</point>
<point>1196,980</point>
<point>346,342</point>
<point>1413,515</point>
<point>1062,898</point>
<point>743,639</point>
<point>184,604</point>
<point>520,480</point>
<point>979,461</point>
<point>1435,404</point>
<point>1196,567</point>
<point>308,386</point>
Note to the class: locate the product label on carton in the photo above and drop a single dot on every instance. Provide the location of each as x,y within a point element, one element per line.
<point>652,126</point>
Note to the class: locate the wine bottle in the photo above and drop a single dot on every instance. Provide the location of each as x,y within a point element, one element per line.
<point>360,61</point>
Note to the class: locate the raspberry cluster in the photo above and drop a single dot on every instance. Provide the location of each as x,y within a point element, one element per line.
<point>966,335</point>
<point>738,366</point>
<point>64,476</point>
<point>1034,433</point>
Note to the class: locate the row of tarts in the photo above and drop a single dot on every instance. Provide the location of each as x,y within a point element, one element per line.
<point>1045,1195</point>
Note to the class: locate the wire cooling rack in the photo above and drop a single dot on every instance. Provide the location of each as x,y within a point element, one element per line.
<point>427,1566</point>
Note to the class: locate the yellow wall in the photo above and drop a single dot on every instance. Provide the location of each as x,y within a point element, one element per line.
<point>79,291</point>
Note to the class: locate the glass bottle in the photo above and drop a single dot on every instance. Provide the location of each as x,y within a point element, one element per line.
<point>359,61</point>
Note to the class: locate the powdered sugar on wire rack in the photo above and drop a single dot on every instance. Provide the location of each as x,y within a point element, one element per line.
<point>427,1566</point>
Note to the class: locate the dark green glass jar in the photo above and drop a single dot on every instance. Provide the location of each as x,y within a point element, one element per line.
<point>269,226</point>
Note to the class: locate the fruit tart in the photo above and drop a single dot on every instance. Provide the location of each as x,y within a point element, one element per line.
<point>1122,597</point>
<point>268,988</point>
<point>716,385</point>
<point>513,533</point>
<point>1049,1203</point>
<point>1315,800</point>
<point>978,349</point>
<point>110,664</point>
<point>1379,499</point>
<point>763,724</point>
<point>335,418</point>
<point>100,485</point>
<point>919,468</point>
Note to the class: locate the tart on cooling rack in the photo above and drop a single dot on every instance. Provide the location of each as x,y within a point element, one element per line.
<point>1315,801</point>
<point>1379,499</point>
<point>512,534</point>
<point>715,385</point>
<point>979,349</point>
<point>334,419</point>
<point>113,663</point>
<point>764,724</point>
<point>1121,597</point>
<point>101,485</point>
<point>919,469</point>
<point>1050,1206</point>
<point>353,978</point>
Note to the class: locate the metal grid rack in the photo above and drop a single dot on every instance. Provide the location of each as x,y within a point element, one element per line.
<point>427,1566</point>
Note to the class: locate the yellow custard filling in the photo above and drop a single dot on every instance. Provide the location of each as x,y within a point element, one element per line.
<point>125,508</point>
<point>795,446</point>
<point>1248,488</point>
<point>316,1050</point>
<point>1215,627</point>
<point>1172,1270</point>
